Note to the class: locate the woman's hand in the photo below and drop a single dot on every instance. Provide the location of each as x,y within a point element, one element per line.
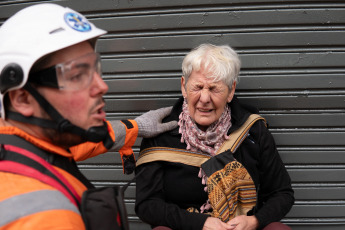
<point>213,223</point>
<point>243,223</point>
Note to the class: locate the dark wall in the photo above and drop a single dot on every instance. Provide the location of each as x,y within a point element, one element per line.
<point>292,55</point>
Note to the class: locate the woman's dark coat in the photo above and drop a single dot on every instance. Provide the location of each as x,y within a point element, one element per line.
<point>165,190</point>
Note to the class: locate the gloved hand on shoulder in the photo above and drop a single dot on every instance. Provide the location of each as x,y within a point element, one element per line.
<point>150,123</point>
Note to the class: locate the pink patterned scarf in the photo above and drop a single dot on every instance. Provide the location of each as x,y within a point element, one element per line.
<point>198,140</point>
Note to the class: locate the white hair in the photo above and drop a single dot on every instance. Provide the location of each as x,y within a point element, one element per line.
<point>221,63</point>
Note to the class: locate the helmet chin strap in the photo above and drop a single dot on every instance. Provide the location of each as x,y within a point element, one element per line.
<point>59,123</point>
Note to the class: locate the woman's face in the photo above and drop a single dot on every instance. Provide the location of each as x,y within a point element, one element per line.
<point>206,99</point>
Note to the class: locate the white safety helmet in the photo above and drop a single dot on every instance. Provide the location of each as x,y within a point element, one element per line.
<point>34,32</point>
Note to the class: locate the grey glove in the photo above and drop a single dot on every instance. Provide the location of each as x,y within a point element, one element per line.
<point>150,123</point>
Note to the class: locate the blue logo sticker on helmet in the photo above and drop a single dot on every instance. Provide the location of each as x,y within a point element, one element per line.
<point>77,22</point>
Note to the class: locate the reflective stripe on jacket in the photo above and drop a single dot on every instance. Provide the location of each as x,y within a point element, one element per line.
<point>23,202</point>
<point>26,203</point>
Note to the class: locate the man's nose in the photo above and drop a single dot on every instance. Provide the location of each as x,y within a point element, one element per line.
<point>99,86</point>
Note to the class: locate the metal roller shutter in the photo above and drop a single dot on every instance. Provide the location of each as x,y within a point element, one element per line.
<point>293,70</point>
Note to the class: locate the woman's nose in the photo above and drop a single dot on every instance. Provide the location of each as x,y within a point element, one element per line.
<point>205,96</point>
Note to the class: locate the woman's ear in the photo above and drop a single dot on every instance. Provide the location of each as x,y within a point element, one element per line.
<point>183,87</point>
<point>232,92</point>
<point>22,102</point>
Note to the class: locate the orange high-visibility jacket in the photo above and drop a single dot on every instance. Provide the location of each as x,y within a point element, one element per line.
<point>26,203</point>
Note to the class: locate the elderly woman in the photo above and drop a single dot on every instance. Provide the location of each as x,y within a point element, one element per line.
<point>194,179</point>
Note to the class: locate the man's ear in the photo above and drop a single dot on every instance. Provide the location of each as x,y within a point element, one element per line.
<point>183,89</point>
<point>22,102</point>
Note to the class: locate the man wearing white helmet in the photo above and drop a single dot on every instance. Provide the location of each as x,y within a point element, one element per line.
<point>52,108</point>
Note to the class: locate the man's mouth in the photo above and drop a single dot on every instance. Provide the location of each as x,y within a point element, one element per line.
<point>99,111</point>
<point>98,107</point>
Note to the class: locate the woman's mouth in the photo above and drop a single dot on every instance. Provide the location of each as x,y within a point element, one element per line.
<point>204,110</point>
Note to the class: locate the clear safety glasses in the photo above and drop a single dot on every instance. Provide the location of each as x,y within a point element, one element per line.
<point>72,75</point>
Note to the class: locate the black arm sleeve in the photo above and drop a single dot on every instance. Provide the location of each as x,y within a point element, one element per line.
<point>275,195</point>
<point>151,206</point>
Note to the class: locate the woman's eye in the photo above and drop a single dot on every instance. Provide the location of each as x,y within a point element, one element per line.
<point>213,89</point>
<point>196,88</point>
